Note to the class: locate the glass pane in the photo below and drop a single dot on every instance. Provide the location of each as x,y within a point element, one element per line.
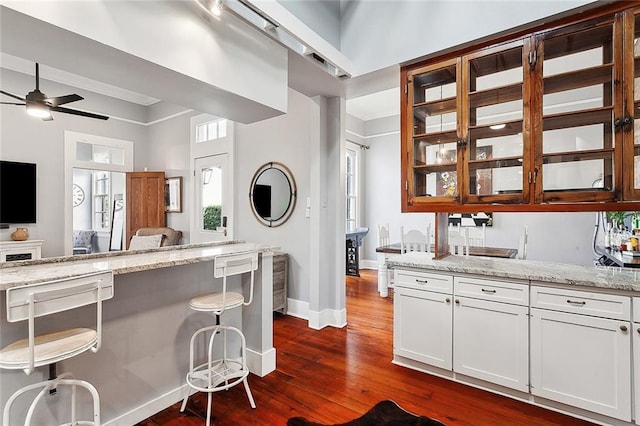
<point>498,113</point>
<point>559,174</point>
<point>211,198</point>
<point>212,130</point>
<point>84,151</point>
<point>434,98</point>
<point>574,139</point>
<point>495,148</point>
<point>443,182</point>
<point>222,128</point>
<point>578,133</point>
<point>201,133</point>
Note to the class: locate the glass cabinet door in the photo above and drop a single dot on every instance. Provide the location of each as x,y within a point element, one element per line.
<point>494,145</point>
<point>576,140</point>
<point>631,154</point>
<point>433,133</point>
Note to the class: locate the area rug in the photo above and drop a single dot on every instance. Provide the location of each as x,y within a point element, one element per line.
<point>384,413</point>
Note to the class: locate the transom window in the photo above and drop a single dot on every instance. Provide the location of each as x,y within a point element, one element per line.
<point>211,130</point>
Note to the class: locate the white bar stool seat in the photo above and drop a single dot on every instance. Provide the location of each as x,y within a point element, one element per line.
<point>221,371</point>
<point>31,302</point>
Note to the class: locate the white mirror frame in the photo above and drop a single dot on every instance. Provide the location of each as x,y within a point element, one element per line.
<point>272,223</point>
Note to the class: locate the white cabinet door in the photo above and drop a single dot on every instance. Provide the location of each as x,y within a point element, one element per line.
<point>582,361</point>
<point>636,368</point>
<point>491,342</point>
<point>422,326</point>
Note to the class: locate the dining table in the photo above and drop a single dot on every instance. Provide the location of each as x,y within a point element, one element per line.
<point>383,251</point>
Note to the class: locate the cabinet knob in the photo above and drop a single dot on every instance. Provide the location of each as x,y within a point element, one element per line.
<point>457,301</point>
<point>449,301</point>
<point>623,327</point>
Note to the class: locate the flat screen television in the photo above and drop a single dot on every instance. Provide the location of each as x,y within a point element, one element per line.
<point>17,192</point>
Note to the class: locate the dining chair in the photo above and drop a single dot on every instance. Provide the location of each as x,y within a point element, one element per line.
<point>522,245</point>
<point>477,235</point>
<point>415,240</point>
<point>383,235</point>
<point>459,241</point>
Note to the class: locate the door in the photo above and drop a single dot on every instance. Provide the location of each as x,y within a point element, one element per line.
<point>145,201</point>
<point>422,326</point>
<point>582,361</point>
<point>491,342</point>
<point>213,200</point>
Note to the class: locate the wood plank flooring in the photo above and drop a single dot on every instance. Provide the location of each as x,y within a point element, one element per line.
<point>335,375</point>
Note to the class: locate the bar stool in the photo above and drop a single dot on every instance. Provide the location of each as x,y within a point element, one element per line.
<point>41,300</point>
<point>221,372</point>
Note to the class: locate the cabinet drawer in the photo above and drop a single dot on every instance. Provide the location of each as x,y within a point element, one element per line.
<point>423,281</point>
<point>497,291</point>
<point>582,302</point>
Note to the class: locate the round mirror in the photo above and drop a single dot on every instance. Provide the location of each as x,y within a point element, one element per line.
<point>273,194</point>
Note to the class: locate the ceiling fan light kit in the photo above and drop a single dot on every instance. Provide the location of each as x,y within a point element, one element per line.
<point>38,105</point>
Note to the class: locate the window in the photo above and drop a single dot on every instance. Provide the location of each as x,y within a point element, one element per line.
<point>351,190</point>
<point>211,130</point>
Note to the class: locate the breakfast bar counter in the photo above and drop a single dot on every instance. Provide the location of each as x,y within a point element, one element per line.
<point>141,366</point>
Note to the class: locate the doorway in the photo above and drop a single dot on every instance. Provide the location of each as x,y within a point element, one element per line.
<point>213,201</point>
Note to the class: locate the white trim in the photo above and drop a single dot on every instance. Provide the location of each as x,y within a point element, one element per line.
<point>70,162</point>
<point>377,135</point>
<point>297,308</point>
<point>148,409</point>
<point>368,264</point>
<point>328,318</point>
<point>261,364</point>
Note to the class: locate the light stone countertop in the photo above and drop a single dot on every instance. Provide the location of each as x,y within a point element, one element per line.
<point>22,273</point>
<point>603,277</point>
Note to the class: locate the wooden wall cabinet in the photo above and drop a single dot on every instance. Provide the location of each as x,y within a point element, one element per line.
<point>145,201</point>
<point>545,120</point>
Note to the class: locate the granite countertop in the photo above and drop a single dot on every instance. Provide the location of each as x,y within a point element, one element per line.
<point>604,277</point>
<point>22,273</point>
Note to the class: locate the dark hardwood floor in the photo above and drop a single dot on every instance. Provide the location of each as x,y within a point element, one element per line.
<point>335,375</point>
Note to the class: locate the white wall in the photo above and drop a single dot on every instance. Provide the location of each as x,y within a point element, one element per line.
<point>377,34</point>
<point>553,237</point>
<point>169,152</point>
<point>284,139</point>
<point>323,17</point>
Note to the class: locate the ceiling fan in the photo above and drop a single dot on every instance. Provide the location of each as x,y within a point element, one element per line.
<point>38,105</point>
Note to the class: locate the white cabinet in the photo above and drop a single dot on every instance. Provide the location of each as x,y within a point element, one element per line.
<point>491,336</point>
<point>13,251</point>
<point>636,357</point>
<point>581,350</point>
<point>422,324</point>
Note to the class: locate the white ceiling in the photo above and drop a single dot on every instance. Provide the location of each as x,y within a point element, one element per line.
<point>376,105</point>
<point>304,77</point>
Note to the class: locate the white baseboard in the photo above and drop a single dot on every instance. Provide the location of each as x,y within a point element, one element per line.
<point>368,264</point>
<point>261,364</point>
<point>317,320</point>
<point>298,308</point>
<point>148,409</point>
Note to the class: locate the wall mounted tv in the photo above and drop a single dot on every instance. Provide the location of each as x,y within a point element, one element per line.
<point>17,192</point>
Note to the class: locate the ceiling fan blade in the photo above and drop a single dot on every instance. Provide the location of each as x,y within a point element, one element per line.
<point>13,96</point>
<point>49,118</point>
<point>11,103</point>
<point>61,100</point>
<point>80,113</point>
